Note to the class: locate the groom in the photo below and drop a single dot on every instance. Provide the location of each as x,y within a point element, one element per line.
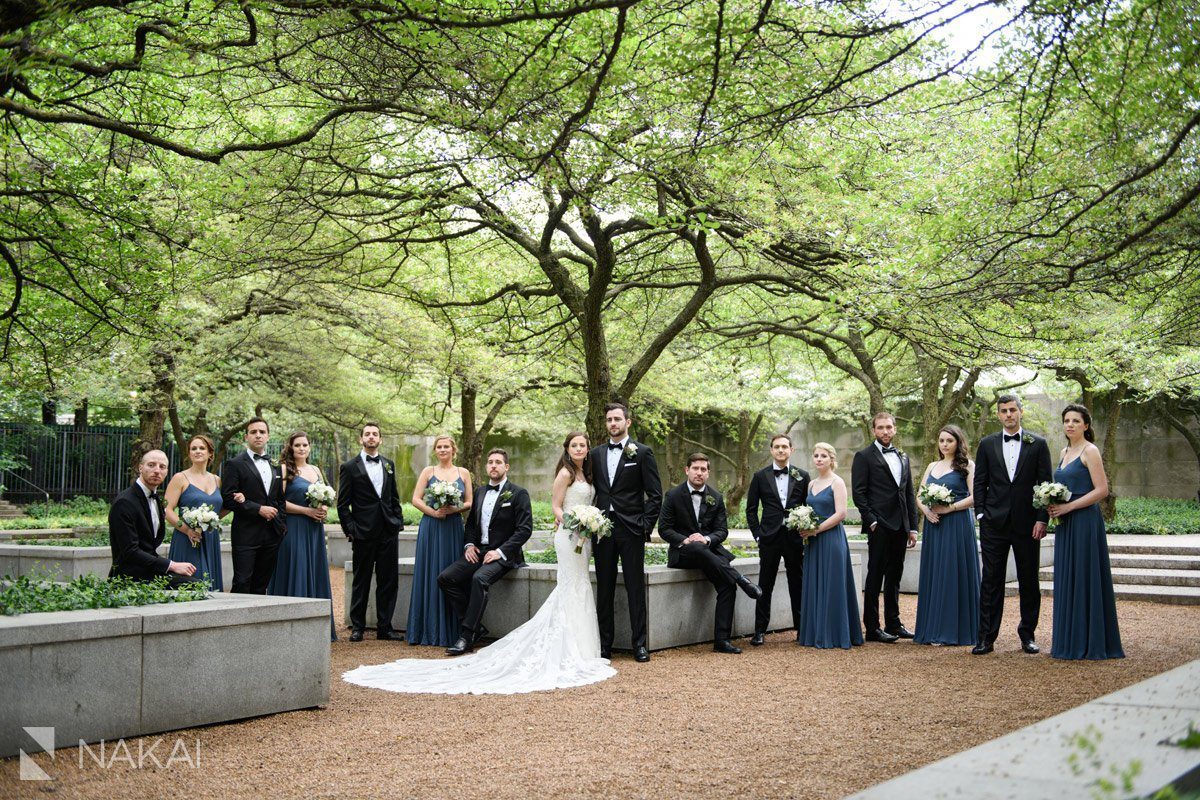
<point>501,520</point>
<point>1007,467</point>
<point>629,491</point>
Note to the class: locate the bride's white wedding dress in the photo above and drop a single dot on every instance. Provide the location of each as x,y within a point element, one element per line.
<point>557,648</point>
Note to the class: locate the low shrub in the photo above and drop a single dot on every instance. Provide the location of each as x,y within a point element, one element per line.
<point>1155,515</point>
<point>31,594</point>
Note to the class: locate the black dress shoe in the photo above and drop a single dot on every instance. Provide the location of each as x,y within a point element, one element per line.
<point>389,636</point>
<point>479,634</point>
<point>641,655</point>
<point>902,633</point>
<point>880,635</point>
<point>1030,646</point>
<point>982,649</point>
<point>459,647</point>
<point>605,653</point>
<point>725,646</point>
<point>758,639</point>
<point>356,636</point>
<point>752,590</point>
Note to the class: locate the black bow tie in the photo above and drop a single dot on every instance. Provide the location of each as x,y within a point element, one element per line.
<point>612,446</point>
<point>1013,438</point>
<point>779,472</point>
<point>492,488</point>
<point>373,459</point>
<point>153,496</point>
<point>697,493</point>
<point>889,449</point>
<point>258,457</point>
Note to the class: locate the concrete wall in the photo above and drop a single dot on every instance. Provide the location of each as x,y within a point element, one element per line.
<point>111,673</point>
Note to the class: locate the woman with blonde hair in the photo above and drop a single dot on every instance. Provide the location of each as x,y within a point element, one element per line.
<point>440,540</point>
<point>829,604</point>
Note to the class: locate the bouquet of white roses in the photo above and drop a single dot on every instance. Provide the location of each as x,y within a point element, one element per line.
<point>1049,494</point>
<point>443,494</point>
<point>801,518</point>
<point>320,495</point>
<point>935,494</point>
<point>586,522</point>
<point>201,518</point>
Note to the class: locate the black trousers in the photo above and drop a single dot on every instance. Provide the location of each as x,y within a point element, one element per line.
<point>994,544</point>
<point>885,567</point>
<point>789,547</point>
<point>380,556</point>
<point>466,586</point>
<point>722,576</point>
<point>253,566</point>
<point>631,550</point>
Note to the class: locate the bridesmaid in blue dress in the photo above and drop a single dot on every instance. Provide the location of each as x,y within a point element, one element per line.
<point>192,488</point>
<point>948,588</point>
<point>829,599</point>
<point>1085,609</point>
<point>440,540</point>
<point>302,564</point>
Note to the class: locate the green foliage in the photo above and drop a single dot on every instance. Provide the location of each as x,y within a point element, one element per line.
<point>31,594</point>
<point>1111,781</point>
<point>656,555</point>
<point>90,539</point>
<point>1155,515</point>
<point>75,507</point>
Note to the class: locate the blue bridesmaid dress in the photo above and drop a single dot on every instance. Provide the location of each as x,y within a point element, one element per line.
<point>302,565</point>
<point>1085,609</point>
<point>206,557</point>
<point>829,600</point>
<point>431,619</point>
<point>948,588</point>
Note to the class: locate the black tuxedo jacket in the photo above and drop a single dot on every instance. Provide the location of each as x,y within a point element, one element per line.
<point>678,521</point>
<point>1000,502</point>
<point>511,525</point>
<point>134,542</point>
<point>876,494</point>
<point>363,513</point>
<point>762,490</point>
<point>635,492</point>
<point>240,475</point>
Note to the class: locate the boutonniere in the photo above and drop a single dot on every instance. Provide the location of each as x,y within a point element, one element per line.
<point>901,454</point>
<point>505,496</point>
<point>1027,439</point>
<point>387,467</point>
<point>709,500</point>
<point>630,450</point>
<point>794,472</point>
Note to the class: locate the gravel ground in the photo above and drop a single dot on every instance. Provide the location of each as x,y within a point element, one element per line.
<point>776,721</point>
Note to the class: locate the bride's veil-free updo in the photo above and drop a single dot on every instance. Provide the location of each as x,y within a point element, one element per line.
<point>565,461</point>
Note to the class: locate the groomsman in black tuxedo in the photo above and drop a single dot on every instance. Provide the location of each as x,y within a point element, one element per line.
<point>629,492</point>
<point>369,509</point>
<point>258,525</point>
<point>500,522</point>
<point>778,488</point>
<point>883,492</point>
<point>694,523</point>
<point>135,528</point>
<point>1007,467</point>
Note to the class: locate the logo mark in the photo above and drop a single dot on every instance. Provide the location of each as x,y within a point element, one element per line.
<point>44,738</point>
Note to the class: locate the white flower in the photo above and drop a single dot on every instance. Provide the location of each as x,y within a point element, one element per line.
<point>1049,494</point>
<point>320,495</point>
<point>631,450</point>
<point>935,494</point>
<point>586,522</point>
<point>801,518</point>
<point>443,494</point>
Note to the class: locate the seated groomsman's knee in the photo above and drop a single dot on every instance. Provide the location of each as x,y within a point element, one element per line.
<point>444,578</point>
<point>482,578</point>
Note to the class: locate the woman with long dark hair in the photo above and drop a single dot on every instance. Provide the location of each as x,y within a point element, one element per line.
<point>1085,608</point>
<point>302,565</point>
<point>192,488</point>
<point>573,466</point>
<point>948,587</point>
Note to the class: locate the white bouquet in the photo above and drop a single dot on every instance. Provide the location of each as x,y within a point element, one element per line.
<point>586,522</point>
<point>801,518</point>
<point>443,494</point>
<point>1049,494</point>
<point>320,495</point>
<point>201,518</point>
<point>935,494</point>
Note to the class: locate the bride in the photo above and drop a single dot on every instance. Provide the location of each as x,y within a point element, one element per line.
<point>557,648</point>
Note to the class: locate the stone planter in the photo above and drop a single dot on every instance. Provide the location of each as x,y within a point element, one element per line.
<point>340,551</point>
<point>911,578</point>
<point>68,563</point>
<point>112,673</point>
<point>680,603</point>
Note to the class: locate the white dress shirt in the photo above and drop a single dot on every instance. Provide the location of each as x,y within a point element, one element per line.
<point>374,472</point>
<point>614,458</point>
<point>893,462</point>
<point>485,511</point>
<point>264,470</point>
<point>153,506</point>
<point>781,483</point>
<point>1012,451</point>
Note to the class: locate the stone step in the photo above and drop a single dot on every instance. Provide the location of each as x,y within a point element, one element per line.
<point>1170,595</point>
<point>1144,577</point>
<point>1154,561</point>
<point>12,512</point>
<point>1167,548</point>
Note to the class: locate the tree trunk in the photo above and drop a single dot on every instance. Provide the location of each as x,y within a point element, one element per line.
<point>599,374</point>
<point>49,412</point>
<point>153,406</point>
<point>1108,450</point>
<point>81,415</point>
<point>747,433</point>
<point>1180,425</point>
<point>472,445</point>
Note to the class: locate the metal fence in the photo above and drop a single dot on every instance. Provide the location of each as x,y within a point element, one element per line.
<point>61,462</point>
